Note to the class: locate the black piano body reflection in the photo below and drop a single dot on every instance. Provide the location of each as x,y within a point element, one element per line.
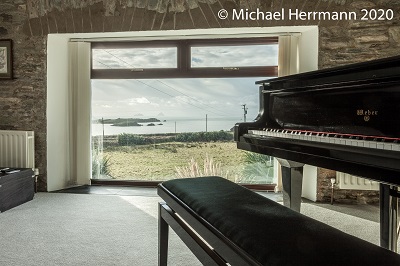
<point>344,118</point>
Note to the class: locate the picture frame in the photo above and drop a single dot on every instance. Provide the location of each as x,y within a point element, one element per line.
<point>6,60</point>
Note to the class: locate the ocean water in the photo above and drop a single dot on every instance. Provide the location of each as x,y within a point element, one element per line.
<point>170,125</point>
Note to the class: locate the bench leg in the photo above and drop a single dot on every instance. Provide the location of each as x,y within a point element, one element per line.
<point>163,231</point>
<point>205,254</point>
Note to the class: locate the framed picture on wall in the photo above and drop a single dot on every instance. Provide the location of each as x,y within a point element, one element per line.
<point>6,67</point>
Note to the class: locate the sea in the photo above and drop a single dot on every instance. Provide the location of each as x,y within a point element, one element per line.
<point>170,125</point>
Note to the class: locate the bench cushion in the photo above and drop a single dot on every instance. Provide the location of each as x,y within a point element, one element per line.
<point>271,233</point>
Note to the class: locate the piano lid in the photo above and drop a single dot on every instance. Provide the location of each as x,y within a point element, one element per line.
<point>381,70</point>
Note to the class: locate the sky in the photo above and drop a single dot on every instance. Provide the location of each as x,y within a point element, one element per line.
<point>218,98</point>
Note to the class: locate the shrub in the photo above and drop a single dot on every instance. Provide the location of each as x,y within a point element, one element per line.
<point>100,165</point>
<point>125,139</point>
<point>204,136</point>
<point>258,169</point>
<point>131,139</point>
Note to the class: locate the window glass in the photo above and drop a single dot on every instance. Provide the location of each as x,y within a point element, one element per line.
<point>234,56</point>
<point>170,122</point>
<point>134,58</point>
<point>170,128</point>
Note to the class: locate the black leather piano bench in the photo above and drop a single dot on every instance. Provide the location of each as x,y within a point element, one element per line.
<point>226,224</point>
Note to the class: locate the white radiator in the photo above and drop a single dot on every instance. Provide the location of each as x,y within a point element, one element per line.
<point>346,181</point>
<point>17,149</point>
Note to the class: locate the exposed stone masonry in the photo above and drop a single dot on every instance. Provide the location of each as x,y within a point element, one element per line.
<point>27,23</point>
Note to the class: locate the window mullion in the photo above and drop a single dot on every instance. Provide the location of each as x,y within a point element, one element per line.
<point>183,57</point>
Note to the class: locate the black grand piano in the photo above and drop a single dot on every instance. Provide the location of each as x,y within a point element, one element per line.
<point>345,118</point>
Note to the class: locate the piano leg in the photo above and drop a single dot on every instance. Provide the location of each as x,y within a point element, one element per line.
<point>388,216</point>
<point>292,180</point>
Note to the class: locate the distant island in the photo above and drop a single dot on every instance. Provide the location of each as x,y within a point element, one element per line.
<point>128,122</point>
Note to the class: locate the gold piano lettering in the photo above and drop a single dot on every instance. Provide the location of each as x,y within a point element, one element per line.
<point>367,114</point>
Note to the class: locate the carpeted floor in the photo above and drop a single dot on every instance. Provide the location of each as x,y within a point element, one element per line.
<point>78,229</point>
<point>112,229</point>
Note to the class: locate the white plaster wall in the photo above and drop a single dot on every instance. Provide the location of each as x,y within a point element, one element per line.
<point>58,172</point>
<point>308,50</point>
<point>309,189</point>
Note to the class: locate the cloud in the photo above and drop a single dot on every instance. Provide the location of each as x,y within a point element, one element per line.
<point>235,56</point>
<point>141,100</point>
<point>135,58</point>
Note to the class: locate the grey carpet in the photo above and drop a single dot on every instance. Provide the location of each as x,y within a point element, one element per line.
<point>73,229</point>
<point>90,229</point>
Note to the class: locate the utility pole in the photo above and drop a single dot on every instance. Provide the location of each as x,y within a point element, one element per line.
<point>206,122</point>
<point>244,112</point>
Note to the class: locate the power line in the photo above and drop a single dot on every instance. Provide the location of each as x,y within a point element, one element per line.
<point>191,97</point>
<point>118,58</point>
<point>173,96</point>
<point>176,98</point>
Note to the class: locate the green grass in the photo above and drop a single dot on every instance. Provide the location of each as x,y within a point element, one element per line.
<point>159,161</point>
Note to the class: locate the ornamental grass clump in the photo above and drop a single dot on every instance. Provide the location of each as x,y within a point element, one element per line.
<point>210,168</point>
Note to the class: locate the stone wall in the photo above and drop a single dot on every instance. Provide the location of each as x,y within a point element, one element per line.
<point>27,23</point>
<point>324,192</point>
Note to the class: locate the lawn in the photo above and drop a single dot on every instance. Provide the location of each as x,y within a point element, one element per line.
<point>159,161</point>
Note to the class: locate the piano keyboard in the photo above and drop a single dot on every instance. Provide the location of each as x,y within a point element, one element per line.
<point>383,143</point>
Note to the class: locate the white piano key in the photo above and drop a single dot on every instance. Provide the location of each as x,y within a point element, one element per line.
<point>326,138</point>
<point>354,142</point>
<point>387,146</point>
<point>395,147</point>
<point>289,136</point>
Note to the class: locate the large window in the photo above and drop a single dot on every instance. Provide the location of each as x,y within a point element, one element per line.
<point>163,110</point>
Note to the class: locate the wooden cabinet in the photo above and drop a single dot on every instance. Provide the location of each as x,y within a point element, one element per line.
<point>16,188</point>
